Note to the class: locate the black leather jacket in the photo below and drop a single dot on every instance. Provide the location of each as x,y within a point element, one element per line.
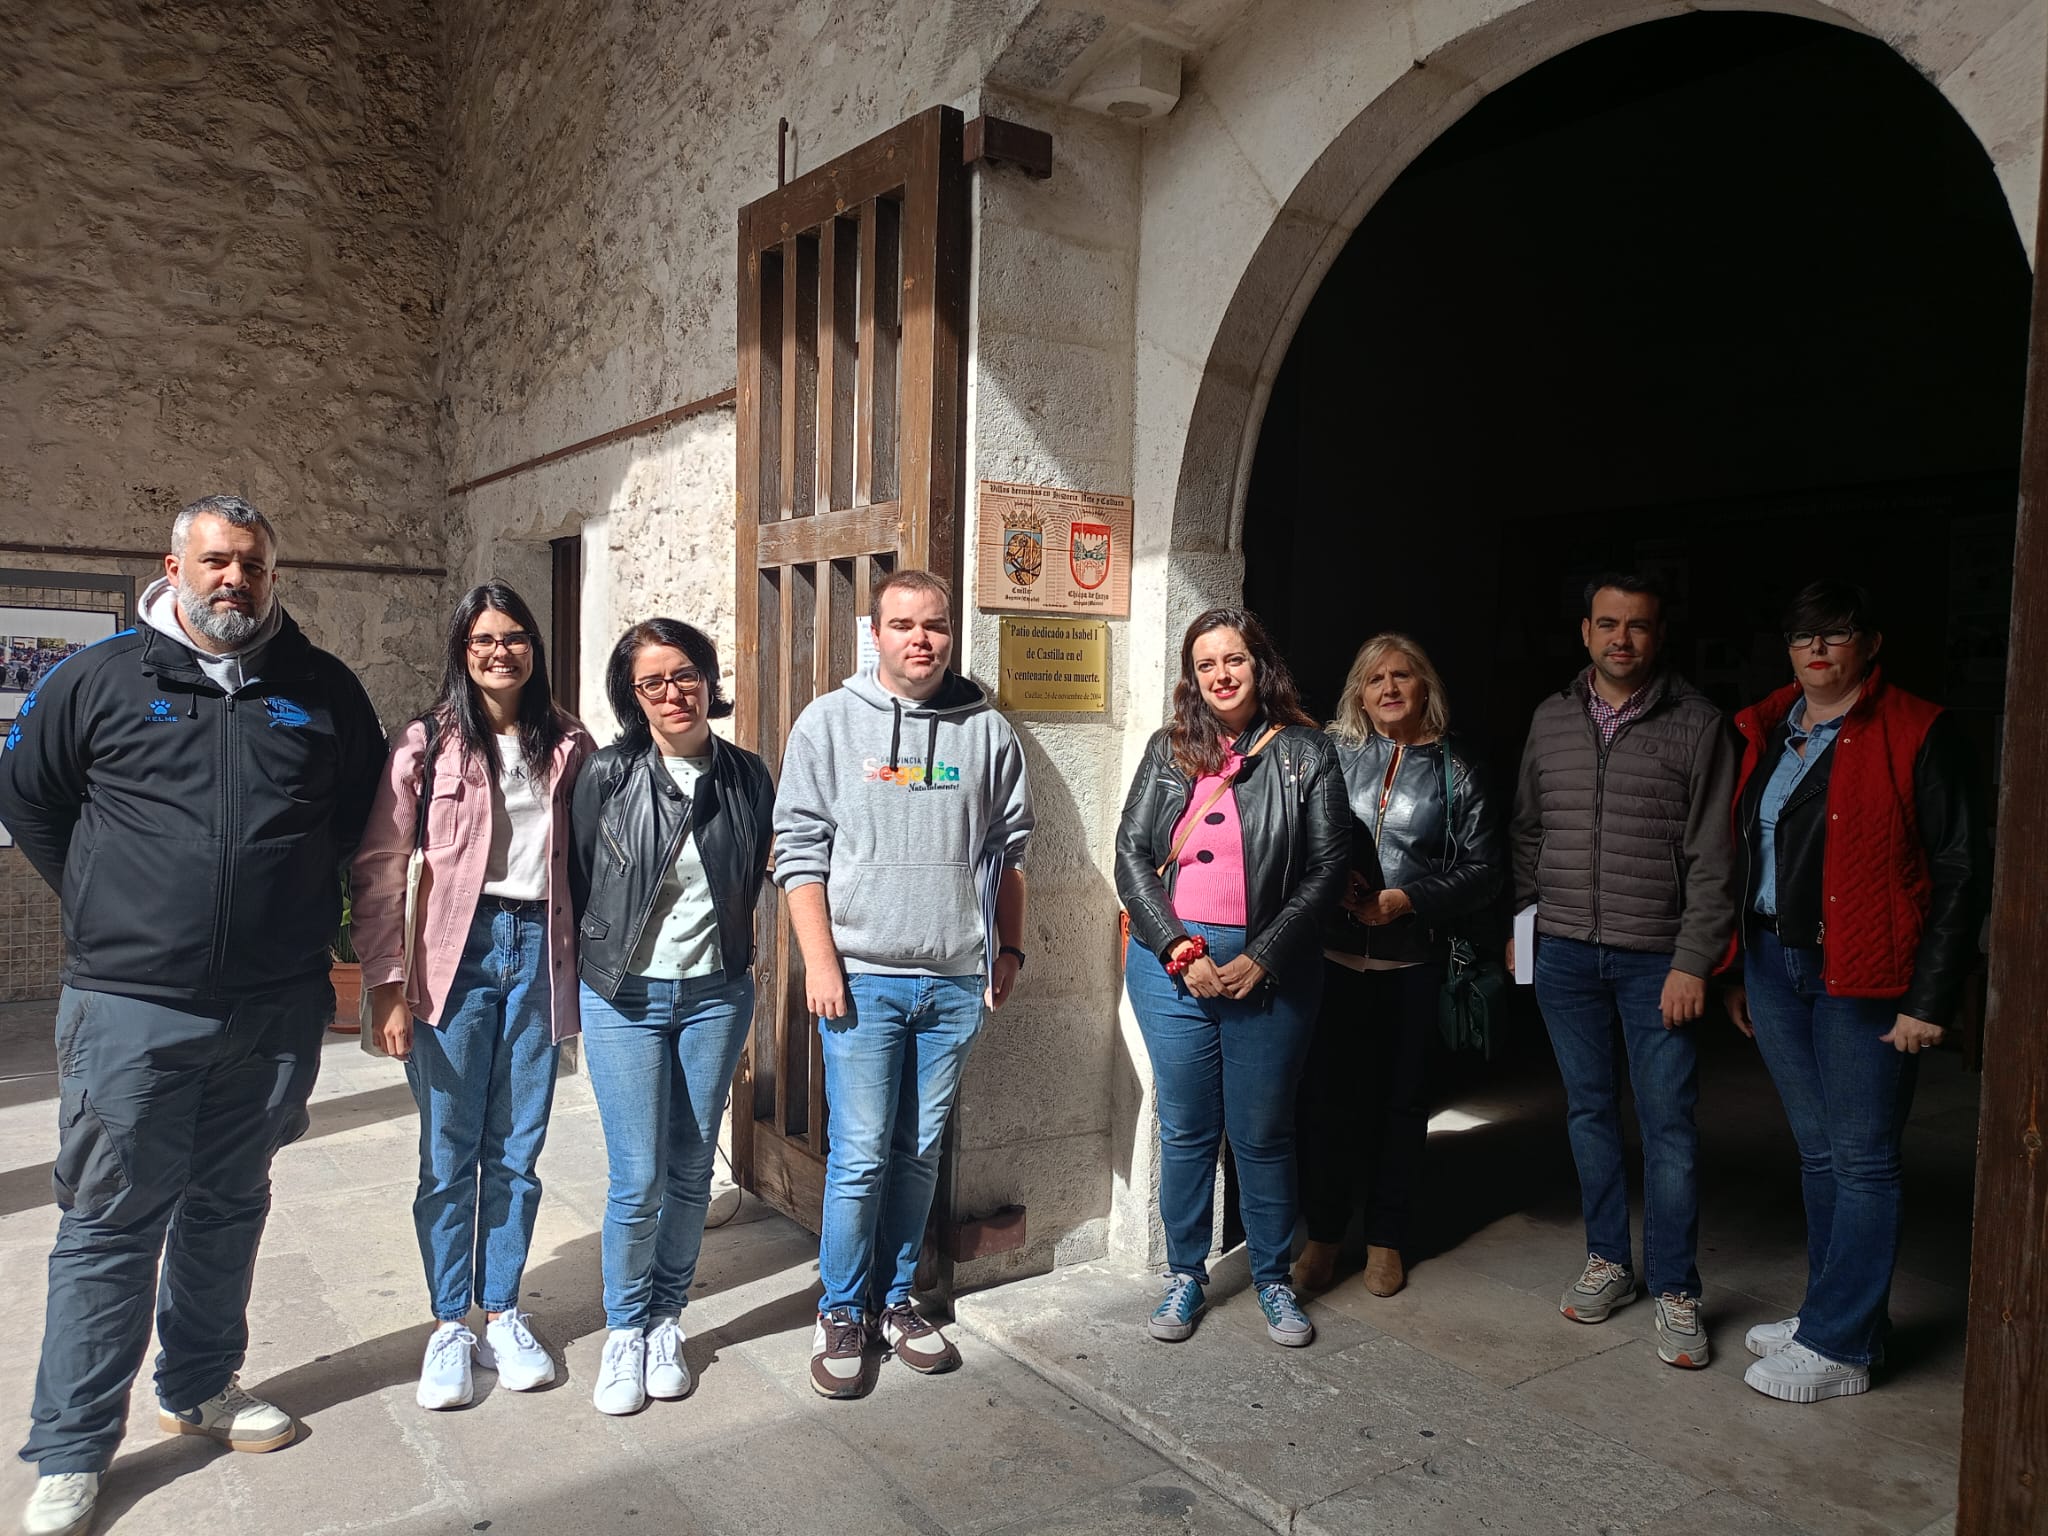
<point>629,819</point>
<point>1445,881</point>
<point>1951,832</point>
<point>1297,836</point>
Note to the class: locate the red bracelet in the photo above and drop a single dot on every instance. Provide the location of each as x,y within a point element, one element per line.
<point>1196,947</point>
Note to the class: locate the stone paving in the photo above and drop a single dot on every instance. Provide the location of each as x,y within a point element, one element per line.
<point>1465,1404</point>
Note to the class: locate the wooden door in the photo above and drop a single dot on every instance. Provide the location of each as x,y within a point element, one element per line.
<point>852,284</point>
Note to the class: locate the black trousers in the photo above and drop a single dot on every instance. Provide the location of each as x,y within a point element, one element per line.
<point>1361,1117</point>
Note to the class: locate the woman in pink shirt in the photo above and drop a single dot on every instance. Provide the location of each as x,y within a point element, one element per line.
<point>1234,844</point>
<point>490,988</point>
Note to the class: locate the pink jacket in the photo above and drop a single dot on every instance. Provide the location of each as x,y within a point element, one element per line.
<point>458,846</point>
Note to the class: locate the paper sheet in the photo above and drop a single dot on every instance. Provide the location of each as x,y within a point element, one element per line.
<point>1525,946</point>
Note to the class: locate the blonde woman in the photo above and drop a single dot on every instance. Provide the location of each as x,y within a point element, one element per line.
<point>1421,805</point>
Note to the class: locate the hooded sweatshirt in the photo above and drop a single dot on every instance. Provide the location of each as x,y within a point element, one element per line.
<point>909,811</point>
<point>230,671</point>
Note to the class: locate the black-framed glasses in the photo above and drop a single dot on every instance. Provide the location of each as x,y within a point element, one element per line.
<point>518,643</point>
<point>684,681</point>
<point>1800,639</point>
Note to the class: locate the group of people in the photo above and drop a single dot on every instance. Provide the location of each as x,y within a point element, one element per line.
<point>1291,893</point>
<point>511,885</point>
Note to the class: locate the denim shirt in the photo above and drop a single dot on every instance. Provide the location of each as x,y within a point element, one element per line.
<point>1785,777</point>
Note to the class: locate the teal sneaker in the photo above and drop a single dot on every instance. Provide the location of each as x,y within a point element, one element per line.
<point>1286,1323</point>
<point>1175,1317</point>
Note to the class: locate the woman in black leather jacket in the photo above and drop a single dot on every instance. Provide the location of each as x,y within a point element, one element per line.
<point>1363,1119</point>
<point>1232,848</point>
<point>672,828</point>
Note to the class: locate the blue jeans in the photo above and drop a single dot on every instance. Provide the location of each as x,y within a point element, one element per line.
<point>1220,1067</point>
<point>1581,988</point>
<point>484,1080</point>
<point>169,1114</point>
<point>661,1055</point>
<point>1846,1094</point>
<point>892,1071</point>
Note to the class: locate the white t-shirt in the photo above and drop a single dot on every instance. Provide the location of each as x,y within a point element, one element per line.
<point>681,937</point>
<point>518,866</point>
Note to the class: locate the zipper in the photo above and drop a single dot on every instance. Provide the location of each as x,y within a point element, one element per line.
<point>1601,746</point>
<point>224,886</point>
<point>604,829</point>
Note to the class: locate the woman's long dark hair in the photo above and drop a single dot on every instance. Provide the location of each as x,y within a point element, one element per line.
<point>461,709</point>
<point>634,732</point>
<point>1196,734</point>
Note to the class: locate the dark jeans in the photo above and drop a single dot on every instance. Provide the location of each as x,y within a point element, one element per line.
<point>1362,1119</point>
<point>1219,1065</point>
<point>169,1115</point>
<point>1846,1094</point>
<point>1583,989</point>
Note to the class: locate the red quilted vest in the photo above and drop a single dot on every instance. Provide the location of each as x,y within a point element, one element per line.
<point>1874,877</point>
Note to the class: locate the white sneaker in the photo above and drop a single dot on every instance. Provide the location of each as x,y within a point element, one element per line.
<point>61,1505</point>
<point>445,1381</point>
<point>1769,1338</point>
<point>621,1373</point>
<point>668,1374</point>
<point>233,1417</point>
<point>1795,1374</point>
<point>516,1354</point>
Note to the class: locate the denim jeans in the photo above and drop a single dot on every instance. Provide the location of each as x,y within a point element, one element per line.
<point>1581,989</point>
<point>169,1115</point>
<point>892,1071</point>
<point>661,1055</point>
<point>1846,1094</point>
<point>484,1080</point>
<point>1220,1067</point>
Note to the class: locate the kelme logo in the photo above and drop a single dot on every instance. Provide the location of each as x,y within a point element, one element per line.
<point>941,775</point>
<point>160,712</point>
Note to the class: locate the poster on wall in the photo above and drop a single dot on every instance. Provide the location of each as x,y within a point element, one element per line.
<point>1048,550</point>
<point>33,640</point>
<point>1053,666</point>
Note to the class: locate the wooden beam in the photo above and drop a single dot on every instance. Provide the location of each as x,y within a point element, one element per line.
<point>998,141</point>
<point>2003,1485</point>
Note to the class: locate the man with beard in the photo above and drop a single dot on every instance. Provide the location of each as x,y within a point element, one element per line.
<point>191,788</point>
<point>1622,838</point>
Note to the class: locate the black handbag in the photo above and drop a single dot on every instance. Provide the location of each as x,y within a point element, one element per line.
<point>1470,1003</point>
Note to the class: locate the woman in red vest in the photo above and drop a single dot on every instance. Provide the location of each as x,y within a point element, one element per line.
<point>1859,845</point>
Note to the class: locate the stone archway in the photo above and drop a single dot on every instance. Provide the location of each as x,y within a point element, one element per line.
<point>1286,140</point>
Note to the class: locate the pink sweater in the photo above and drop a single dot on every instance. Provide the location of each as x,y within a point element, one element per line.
<point>1209,885</point>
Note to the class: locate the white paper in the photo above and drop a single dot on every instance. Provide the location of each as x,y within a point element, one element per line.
<point>865,657</point>
<point>1525,946</point>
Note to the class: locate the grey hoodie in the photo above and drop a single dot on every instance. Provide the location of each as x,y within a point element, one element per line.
<point>909,811</point>
<point>230,670</point>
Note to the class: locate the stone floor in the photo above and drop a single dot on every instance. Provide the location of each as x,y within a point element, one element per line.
<point>1465,1404</point>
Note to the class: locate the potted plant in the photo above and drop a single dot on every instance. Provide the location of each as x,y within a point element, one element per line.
<point>346,971</point>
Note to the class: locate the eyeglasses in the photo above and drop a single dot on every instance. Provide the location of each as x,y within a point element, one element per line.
<point>684,681</point>
<point>1800,639</point>
<point>518,643</point>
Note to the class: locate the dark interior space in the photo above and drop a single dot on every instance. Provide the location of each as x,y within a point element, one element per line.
<point>1732,298</point>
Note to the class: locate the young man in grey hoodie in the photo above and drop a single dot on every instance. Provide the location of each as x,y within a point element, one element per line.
<point>900,825</point>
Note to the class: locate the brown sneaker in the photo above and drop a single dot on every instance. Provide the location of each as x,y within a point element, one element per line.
<point>1384,1273</point>
<point>916,1342</point>
<point>838,1354</point>
<point>1316,1267</point>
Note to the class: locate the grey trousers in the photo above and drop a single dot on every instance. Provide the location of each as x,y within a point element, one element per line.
<point>169,1115</point>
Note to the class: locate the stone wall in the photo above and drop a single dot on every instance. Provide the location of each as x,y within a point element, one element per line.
<point>222,270</point>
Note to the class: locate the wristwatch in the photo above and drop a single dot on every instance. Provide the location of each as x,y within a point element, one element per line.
<point>1011,949</point>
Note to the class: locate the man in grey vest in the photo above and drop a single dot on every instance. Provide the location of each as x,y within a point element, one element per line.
<point>1621,839</point>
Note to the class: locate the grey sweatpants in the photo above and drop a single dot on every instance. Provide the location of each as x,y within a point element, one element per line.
<point>169,1115</point>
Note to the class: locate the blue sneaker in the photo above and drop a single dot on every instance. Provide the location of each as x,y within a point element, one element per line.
<point>1178,1309</point>
<point>1286,1323</point>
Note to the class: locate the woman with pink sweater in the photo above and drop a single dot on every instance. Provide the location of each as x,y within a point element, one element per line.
<point>477,1001</point>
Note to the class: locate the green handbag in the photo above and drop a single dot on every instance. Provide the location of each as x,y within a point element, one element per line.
<point>1470,1003</point>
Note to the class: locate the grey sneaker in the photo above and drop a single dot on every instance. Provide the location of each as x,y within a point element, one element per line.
<point>1769,1338</point>
<point>61,1505</point>
<point>1600,1288</point>
<point>1174,1318</point>
<point>1681,1335</point>
<point>233,1417</point>
<point>1286,1323</point>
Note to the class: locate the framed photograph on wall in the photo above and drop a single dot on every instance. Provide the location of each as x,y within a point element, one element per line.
<point>34,640</point>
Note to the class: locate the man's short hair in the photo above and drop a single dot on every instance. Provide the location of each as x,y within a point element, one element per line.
<point>1625,581</point>
<point>910,579</point>
<point>229,509</point>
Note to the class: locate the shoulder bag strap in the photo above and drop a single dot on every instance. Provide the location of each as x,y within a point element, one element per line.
<point>1187,829</point>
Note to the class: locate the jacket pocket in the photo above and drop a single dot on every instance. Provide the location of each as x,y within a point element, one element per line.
<point>90,1171</point>
<point>442,813</point>
<point>912,916</point>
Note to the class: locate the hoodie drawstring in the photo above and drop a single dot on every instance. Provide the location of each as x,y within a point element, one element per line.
<point>931,754</point>
<point>895,732</point>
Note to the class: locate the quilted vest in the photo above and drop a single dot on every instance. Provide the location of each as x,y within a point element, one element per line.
<point>1875,883</point>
